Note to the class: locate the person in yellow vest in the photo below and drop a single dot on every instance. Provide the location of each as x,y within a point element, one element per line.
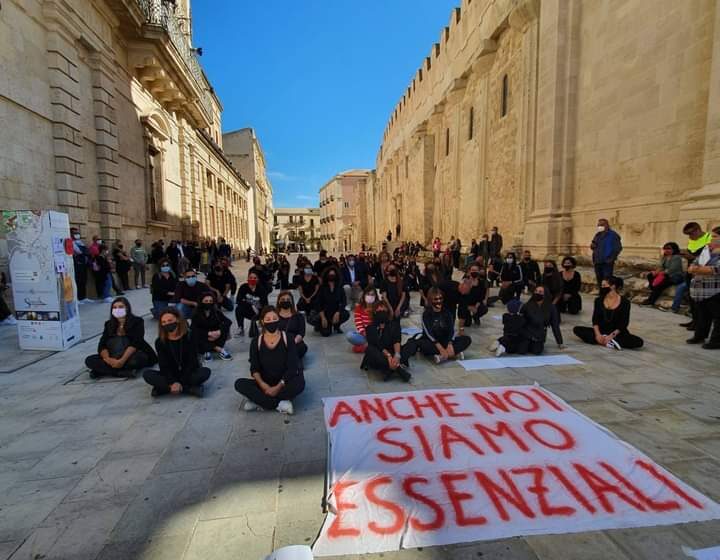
<point>697,253</point>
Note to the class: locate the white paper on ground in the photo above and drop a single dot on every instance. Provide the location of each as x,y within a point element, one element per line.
<point>411,331</point>
<point>520,362</point>
<point>497,317</point>
<point>712,553</point>
<point>295,552</point>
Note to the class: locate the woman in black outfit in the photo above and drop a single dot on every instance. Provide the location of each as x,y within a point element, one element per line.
<point>384,351</point>
<point>122,265</point>
<point>438,338</point>
<point>251,298</point>
<point>511,279</point>
<point>309,286</point>
<point>180,370</point>
<point>540,313</point>
<point>570,302</point>
<point>473,292</point>
<point>210,328</point>
<point>553,282</point>
<point>394,291</point>
<point>611,317</point>
<point>274,367</point>
<point>122,348</point>
<point>331,303</point>
<point>283,276</point>
<point>162,287</point>
<point>292,322</point>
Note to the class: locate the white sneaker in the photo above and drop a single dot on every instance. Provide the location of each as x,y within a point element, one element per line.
<point>460,356</point>
<point>137,287</point>
<point>108,300</point>
<point>250,406</point>
<point>9,321</point>
<point>146,285</point>
<point>500,350</point>
<point>494,345</point>
<point>613,344</point>
<point>285,407</point>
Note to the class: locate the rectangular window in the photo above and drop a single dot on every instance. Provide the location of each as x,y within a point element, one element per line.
<point>471,124</point>
<point>447,141</point>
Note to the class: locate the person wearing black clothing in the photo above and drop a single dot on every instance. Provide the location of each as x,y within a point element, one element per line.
<point>162,288</point>
<point>514,339</point>
<point>496,243</point>
<point>221,281</point>
<point>331,304</point>
<point>180,370</point>
<point>188,293</point>
<point>224,249</point>
<point>438,338</point>
<point>263,274</point>
<point>483,250</point>
<point>539,313</point>
<point>292,322</point>
<point>473,294</point>
<point>553,282</point>
<point>456,248</point>
<point>210,329</point>
<point>394,291</point>
<point>511,279</point>
<point>283,276</point>
<point>173,255</point>
<point>122,348</point>
<point>384,351</point>
<point>530,271</point>
<point>309,286</point>
<point>277,377</point>
<point>322,263</point>
<point>122,265</point>
<point>412,275</point>
<point>570,302</point>
<point>81,260</point>
<point>157,253</point>
<point>251,298</point>
<point>611,317</point>
<point>354,278</point>
<point>103,275</point>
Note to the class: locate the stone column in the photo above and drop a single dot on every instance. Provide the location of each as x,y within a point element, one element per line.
<point>703,205</point>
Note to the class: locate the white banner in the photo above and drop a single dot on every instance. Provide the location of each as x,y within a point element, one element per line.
<point>437,467</point>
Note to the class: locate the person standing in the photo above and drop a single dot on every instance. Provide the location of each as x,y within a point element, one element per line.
<point>496,244</point>
<point>81,259</point>
<point>139,258</point>
<point>122,265</point>
<point>697,253</point>
<point>705,292</point>
<point>606,247</point>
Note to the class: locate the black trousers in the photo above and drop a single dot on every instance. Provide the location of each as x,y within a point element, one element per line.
<point>427,346</point>
<point>468,317</point>
<point>81,281</point>
<point>624,339</point>
<point>4,309</point>
<point>302,305</point>
<point>603,270</point>
<point>327,331</point>
<point>512,292</point>
<point>375,359</point>
<point>301,348</point>
<point>96,364</point>
<point>251,391</point>
<point>243,311</point>
<point>522,345</point>
<point>571,306</point>
<point>162,384</point>
<point>657,291</point>
<point>205,345</point>
<point>123,273</point>
<point>707,312</point>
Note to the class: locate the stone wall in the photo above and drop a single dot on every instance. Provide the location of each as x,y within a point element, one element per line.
<point>611,111</point>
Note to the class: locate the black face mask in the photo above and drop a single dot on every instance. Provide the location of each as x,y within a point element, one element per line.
<point>332,278</point>
<point>567,266</point>
<point>474,274</point>
<point>170,327</point>
<point>272,327</point>
<point>285,305</point>
<point>382,317</point>
<point>526,259</point>
<point>218,271</point>
<point>206,306</point>
<point>604,291</point>
<point>549,270</point>
<point>538,297</point>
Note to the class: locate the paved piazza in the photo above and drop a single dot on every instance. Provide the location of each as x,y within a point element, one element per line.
<point>99,470</point>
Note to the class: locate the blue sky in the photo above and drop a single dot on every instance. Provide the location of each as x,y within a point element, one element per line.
<point>317,79</point>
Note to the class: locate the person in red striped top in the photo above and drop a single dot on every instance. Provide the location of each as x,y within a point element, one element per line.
<point>363,317</point>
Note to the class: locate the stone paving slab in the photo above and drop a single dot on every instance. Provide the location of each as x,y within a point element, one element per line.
<point>99,470</point>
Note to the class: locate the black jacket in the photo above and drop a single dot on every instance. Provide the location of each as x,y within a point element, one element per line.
<point>385,338</point>
<point>538,317</point>
<point>177,366</point>
<point>134,330</point>
<point>273,365</point>
<point>215,321</point>
<point>293,325</point>
<point>330,301</point>
<point>161,286</point>
<point>438,326</point>
<point>361,274</point>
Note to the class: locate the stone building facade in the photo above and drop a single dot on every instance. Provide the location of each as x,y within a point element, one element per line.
<point>243,149</point>
<point>341,208</point>
<point>295,228</point>
<point>540,116</point>
<point>106,114</point>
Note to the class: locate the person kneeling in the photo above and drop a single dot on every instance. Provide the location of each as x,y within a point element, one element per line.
<point>513,340</point>
<point>180,370</point>
<point>210,329</point>
<point>274,366</point>
<point>122,348</point>
<point>383,350</point>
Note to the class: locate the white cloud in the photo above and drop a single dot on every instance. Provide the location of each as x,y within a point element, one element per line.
<point>280,176</point>
<point>305,197</point>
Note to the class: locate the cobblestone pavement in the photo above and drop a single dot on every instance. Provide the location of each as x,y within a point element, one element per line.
<point>99,470</point>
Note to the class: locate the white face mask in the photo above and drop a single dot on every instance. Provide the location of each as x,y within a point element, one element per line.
<point>369,299</point>
<point>119,312</point>
<point>76,236</point>
<point>99,242</point>
<point>601,229</point>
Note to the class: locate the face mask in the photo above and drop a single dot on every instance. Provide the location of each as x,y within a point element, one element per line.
<point>538,297</point>
<point>271,327</point>
<point>474,274</point>
<point>191,281</point>
<point>164,269</point>
<point>391,274</point>
<point>526,259</point>
<point>567,266</point>
<point>285,305</point>
<point>252,282</point>
<point>332,278</point>
<point>207,306</point>
<point>170,327</point>
<point>382,316</point>
<point>548,270</point>
<point>351,263</point>
<point>308,271</point>
<point>138,244</point>
<point>119,312</point>
<point>76,236</point>
<point>99,242</point>
<point>218,271</point>
<point>601,229</point>
<point>509,261</point>
<point>604,291</point>
<point>370,299</point>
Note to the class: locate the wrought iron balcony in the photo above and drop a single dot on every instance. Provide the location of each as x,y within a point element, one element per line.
<point>160,14</point>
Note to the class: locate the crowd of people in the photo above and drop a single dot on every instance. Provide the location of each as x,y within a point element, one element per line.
<point>375,290</point>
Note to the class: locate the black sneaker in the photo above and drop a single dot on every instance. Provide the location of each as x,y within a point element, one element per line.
<point>712,345</point>
<point>404,374</point>
<point>387,375</point>
<point>688,324</point>
<point>94,374</point>
<point>196,391</point>
<point>154,392</point>
<point>695,340</point>
<point>338,329</point>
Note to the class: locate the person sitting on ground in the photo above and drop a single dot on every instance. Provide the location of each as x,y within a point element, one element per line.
<point>705,292</point>
<point>210,329</point>
<point>322,263</point>
<point>188,293</point>
<point>553,282</point>
<point>570,301</point>
<point>384,351</point>
<point>122,349</point>
<point>180,370</point>
<point>331,303</point>
<point>530,271</point>
<point>221,282</point>
<point>354,278</point>
<point>514,339</point>
<point>292,322</point>
<point>363,317</point>
<point>540,313</point>
<point>669,273</point>
<point>394,291</point>
<point>276,375</point>
<point>611,317</point>
<point>162,287</point>
<point>251,298</point>
<point>283,275</point>
<point>473,291</point>
<point>438,337</point>
<point>308,287</point>
<point>511,279</point>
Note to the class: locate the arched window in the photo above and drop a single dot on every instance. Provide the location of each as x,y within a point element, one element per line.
<point>505,94</point>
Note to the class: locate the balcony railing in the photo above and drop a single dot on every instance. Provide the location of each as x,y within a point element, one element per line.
<point>161,13</point>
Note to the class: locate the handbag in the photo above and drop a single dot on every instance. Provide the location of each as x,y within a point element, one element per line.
<point>658,280</point>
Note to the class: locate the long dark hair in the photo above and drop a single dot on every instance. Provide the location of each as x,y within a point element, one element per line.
<point>114,323</point>
<point>327,272</point>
